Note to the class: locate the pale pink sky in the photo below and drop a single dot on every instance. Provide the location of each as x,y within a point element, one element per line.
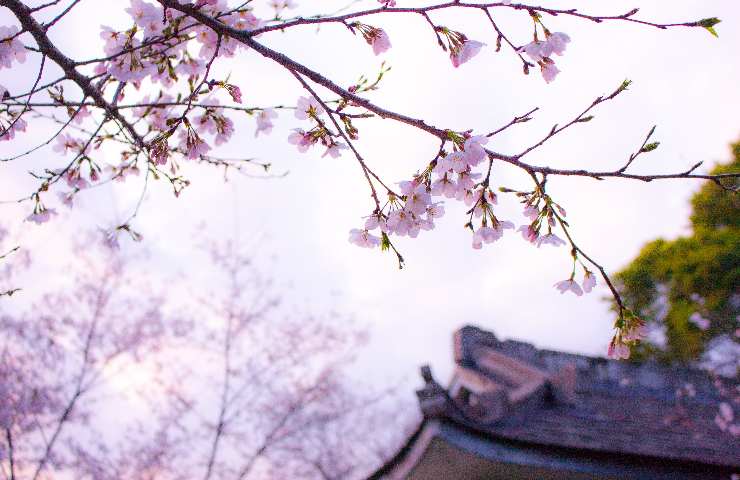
<point>685,81</point>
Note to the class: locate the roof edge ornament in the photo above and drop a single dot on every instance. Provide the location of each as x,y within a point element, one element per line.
<point>433,398</point>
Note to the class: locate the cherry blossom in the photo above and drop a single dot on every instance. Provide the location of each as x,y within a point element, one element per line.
<point>549,70</point>
<point>308,108</point>
<point>618,351</point>
<point>16,124</point>
<point>192,144</point>
<point>264,121</point>
<point>528,233</point>
<point>65,143</point>
<point>153,96</point>
<point>589,281</point>
<point>81,114</point>
<point>67,198</point>
<point>549,239</point>
<point>531,212</point>
<point>465,52</point>
<point>380,42</point>
<point>41,214</point>
<point>569,285</point>
<point>375,37</point>
<point>335,150</point>
<point>11,48</point>
<point>536,50</point>
<point>363,238</point>
<point>486,234</point>
<point>557,42</point>
<point>301,139</point>
<point>636,333</point>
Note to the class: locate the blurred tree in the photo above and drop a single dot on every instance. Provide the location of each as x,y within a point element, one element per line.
<point>687,289</point>
<point>116,375</point>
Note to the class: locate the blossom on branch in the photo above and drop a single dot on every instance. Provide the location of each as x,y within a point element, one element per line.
<point>569,285</point>
<point>467,50</point>
<point>363,238</point>
<point>307,108</point>
<point>264,121</point>
<point>11,48</point>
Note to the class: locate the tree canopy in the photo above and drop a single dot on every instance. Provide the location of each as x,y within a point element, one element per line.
<point>688,287</point>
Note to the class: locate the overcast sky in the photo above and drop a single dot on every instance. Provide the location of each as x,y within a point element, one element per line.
<point>685,82</point>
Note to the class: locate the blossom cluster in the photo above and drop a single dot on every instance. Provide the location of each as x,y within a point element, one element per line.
<point>161,48</point>
<point>309,108</point>
<point>541,52</point>
<point>630,330</point>
<point>132,57</point>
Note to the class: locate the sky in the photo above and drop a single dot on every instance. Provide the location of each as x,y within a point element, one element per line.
<point>685,81</point>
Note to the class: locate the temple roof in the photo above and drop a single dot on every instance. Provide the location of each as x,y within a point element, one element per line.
<point>512,391</point>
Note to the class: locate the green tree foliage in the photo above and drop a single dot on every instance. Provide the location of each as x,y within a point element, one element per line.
<point>691,285</point>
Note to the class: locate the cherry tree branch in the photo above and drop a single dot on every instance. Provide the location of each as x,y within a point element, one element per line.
<point>11,452</point>
<point>290,64</point>
<point>23,14</point>
<point>627,17</point>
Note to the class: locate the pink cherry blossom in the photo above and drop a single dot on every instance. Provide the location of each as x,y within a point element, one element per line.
<point>41,215</point>
<point>376,220</point>
<point>537,50</point>
<point>335,150</point>
<point>619,351</point>
<point>435,210</point>
<point>549,70</point>
<point>66,142</point>
<point>569,285</point>
<point>557,42</point>
<point>308,107</point>
<point>11,48</point>
<point>636,333</point>
<point>474,150</point>
<point>245,20</point>
<point>363,238</point>
<point>17,124</point>
<point>589,281</point>
<point>549,239</point>
<point>380,42</point>
<point>458,161</point>
<point>301,139</point>
<point>528,233</point>
<point>81,115</point>
<point>264,121</point>
<point>418,200</point>
<point>444,186</point>
<point>192,144</point>
<point>468,50</point>
<point>486,234</point>
<point>531,212</point>
<point>67,198</point>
